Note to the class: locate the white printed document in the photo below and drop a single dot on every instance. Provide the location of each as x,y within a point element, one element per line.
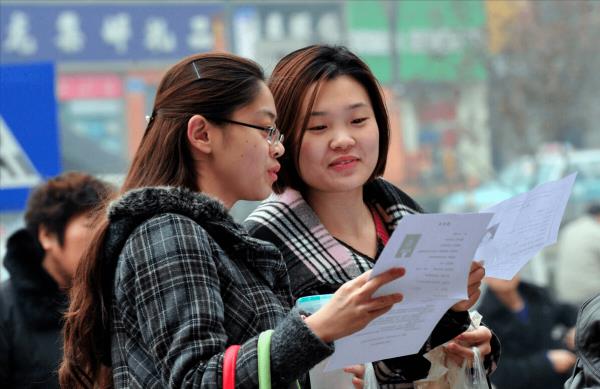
<point>522,226</point>
<point>436,250</point>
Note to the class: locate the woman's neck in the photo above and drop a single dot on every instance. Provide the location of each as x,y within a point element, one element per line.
<point>344,214</point>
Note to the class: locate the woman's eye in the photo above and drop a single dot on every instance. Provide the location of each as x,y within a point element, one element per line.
<point>317,128</point>
<point>359,120</point>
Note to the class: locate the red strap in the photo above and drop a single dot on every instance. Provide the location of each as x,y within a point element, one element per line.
<point>382,232</point>
<point>229,366</point>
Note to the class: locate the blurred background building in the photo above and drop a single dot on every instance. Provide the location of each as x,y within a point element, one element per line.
<point>487,97</point>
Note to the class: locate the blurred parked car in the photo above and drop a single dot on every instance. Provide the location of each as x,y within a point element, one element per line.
<point>527,172</point>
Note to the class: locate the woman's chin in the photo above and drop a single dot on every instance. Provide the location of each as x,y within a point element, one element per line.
<point>260,195</point>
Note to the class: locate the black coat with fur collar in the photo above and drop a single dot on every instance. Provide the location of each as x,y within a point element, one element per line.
<point>31,308</point>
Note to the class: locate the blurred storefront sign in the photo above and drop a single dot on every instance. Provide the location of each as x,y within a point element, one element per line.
<point>441,40</point>
<point>369,36</point>
<point>103,86</point>
<point>92,112</point>
<point>82,32</point>
<point>266,32</point>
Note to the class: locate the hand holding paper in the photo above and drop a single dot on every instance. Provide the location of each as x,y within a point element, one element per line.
<point>437,251</point>
<point>476,274</point>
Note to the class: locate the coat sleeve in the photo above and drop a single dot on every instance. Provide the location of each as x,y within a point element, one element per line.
<point>181,314</point>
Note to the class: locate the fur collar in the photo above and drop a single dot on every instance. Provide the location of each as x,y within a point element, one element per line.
<point>37,295</point>
<point>146,202</point>
<point>139,205</point>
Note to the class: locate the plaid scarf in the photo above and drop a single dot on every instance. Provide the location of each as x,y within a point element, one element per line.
<point>316,261</point>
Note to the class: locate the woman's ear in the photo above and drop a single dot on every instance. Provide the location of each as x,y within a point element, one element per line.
<point>200,134</point>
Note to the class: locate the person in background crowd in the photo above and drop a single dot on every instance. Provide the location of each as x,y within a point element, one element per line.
<point>41,260</point>
<point>527,319</point>
<point>171,281</point>
<point>333,214</point>
<point>587,343</point>
<point>578,267</point>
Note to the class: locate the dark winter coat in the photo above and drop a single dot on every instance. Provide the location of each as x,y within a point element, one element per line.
<point>31,308</point>
<point>188,283</point>
<point>525,344</point>
<point>587,342</point>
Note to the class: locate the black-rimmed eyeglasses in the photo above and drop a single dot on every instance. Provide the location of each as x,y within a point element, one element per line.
<point>274,137</point>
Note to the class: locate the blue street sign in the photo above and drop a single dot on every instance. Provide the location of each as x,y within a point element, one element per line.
<point>29,144</point>
<point>72,32</point>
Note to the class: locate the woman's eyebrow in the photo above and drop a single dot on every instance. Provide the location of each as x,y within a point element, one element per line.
<point>268,112</point>
<point>356,105</point>
<point>348,108</point>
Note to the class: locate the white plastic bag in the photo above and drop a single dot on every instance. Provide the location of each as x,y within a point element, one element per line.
<point>469,376</point>
<point>445,374</point>
<point>369,379</point>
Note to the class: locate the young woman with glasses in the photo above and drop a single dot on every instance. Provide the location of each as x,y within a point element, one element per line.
<point>332,213</point>
<point>170,281</point>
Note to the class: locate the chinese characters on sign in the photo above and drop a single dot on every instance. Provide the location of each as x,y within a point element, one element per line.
<point>106,32</point>
<point>266,32</point>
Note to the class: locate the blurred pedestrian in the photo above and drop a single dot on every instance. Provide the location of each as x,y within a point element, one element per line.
<point>171,281</point>
<point>578,268</point>
<point>587,341</point>
<point>41,260</point>
<point>333,213</point>
<point>526,319</point>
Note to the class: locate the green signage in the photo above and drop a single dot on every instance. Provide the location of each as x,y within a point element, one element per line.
<point>369,35</point>
<point>441,40</point>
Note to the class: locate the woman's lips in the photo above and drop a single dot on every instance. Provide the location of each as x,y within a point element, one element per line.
<point>273,172</point>
<point>343,163</point>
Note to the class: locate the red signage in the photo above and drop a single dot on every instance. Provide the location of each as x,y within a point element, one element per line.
<point>89,86</point>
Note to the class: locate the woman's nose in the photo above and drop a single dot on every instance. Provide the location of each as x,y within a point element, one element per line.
<point>277,150</point>
<point>342,139</point>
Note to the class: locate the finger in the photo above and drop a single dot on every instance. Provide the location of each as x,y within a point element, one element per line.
<point>473,297</point>
<point>455,349</point>
<point>476,265</point>
<point>466,304</point>
<point>356,370</point>
<point>475,337</point>
<point>473,288</point>
<point>362,279</point>
<point>383,302</point>
<point>485,349</point>
<point>476,276</point>
<point>376,313</point>
<point>376,282</point>
<point>358,383</point>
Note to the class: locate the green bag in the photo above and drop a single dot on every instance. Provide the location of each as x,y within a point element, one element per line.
<point>264,360</point>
